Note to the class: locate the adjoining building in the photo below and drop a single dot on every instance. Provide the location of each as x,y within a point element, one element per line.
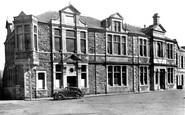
<point>54,50</point>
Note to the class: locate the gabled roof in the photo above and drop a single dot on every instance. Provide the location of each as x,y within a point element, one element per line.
<point>22,14</point>
<point>113,15</point>
<point>71,7</point>
<point>153,27</point>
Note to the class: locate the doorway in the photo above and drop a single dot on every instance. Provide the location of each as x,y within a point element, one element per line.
<point>71,81</point>
<point>162,78</point>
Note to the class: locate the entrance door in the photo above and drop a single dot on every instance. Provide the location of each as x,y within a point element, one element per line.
<point>71,81</point>
<point>162,78</point>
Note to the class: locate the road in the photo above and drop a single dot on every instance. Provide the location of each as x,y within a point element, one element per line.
<point>152,103</point>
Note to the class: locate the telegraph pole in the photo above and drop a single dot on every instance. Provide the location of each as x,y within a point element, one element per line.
<point>30,79</point>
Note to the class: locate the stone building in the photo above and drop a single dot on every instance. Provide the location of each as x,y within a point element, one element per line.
<point>54,50</point>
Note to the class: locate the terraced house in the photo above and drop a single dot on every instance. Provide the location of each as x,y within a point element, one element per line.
<point>54,50</point>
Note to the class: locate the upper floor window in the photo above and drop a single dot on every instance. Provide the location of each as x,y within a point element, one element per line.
<point>159,49</point>
<point>116,44</point>
<point>23,37</point>
<point>71,41</point>
<point>83,41</point>
<point>182,62</point>
<point>143,47</point>
<point>123,45</point>
<point>57,39</point>
<point>169,51</point>
<point>109,44</point>
<point>117,26</point>
<point>35,37</point>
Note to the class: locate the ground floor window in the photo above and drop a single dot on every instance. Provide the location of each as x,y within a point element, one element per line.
<point>84,76</point>
<point>41,80</point>
<point>143,75</point>
<point>170,75</point>
<point>58,76</point>
<point>117,75</point>
<point>157,77</point>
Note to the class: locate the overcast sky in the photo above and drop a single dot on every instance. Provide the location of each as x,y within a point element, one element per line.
<point>135,12</point>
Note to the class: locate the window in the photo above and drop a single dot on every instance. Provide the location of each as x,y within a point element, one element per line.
<point>35,37</point>
<point>124,75</point>
<point>84,76</point>
<point>123,45</point>
<point>157,77</point>
<point>182,62</point>
<point>27,41</point>
<point>116,44</point>
<point>117,75</point>
<point>41,80</point>
<point>117,26</point>
<point>23,40</point>
<point>70,41</point>
<point>170,75</point>
<point>27,29</point>
<point>169,51</point>
<point>83,42</point>
<point>143,75</point>
<point>58,74</point>
<point>159,49</point>
<point>109,44</point>
<point>143,47</point>
<point>110,75</point>
<point>57,39</point>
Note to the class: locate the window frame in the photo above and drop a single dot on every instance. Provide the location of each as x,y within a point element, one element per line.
<point>83,38</point>
<point>143,74</point>
<point>121,44</point>
<point>45,80</point>
<point>111,75</point>
<point>170,73</point>
<point>72,38</point>
<point>57,38</point>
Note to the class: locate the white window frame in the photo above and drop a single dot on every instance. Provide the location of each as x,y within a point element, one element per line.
<point>45,80</point>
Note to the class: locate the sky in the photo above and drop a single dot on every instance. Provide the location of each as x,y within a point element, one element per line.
<point>134,12</point>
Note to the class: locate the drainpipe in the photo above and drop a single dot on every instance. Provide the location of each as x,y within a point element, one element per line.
<point>105,36</point>
<point>51,43</point>
<point>61,48</point>
<point>95,61</point>
<point>138,66</point>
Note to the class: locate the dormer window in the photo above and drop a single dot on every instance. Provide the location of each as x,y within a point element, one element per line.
<point>117,26</point>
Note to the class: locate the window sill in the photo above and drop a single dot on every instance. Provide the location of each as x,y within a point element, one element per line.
<point>118,86</point>
<point>41,89</point>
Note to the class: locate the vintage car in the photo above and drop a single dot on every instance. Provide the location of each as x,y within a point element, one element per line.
<point>68,93</point>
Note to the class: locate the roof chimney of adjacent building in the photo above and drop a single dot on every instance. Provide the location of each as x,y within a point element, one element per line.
<point>156,19</point>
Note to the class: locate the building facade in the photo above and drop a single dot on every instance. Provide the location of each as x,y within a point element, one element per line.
<point>54,50</point>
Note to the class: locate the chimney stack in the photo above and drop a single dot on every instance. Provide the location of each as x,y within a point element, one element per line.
<point>156,19</point>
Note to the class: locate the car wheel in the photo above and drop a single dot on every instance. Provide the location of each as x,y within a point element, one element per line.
<point>78,96</point>
<point>60,96</point>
